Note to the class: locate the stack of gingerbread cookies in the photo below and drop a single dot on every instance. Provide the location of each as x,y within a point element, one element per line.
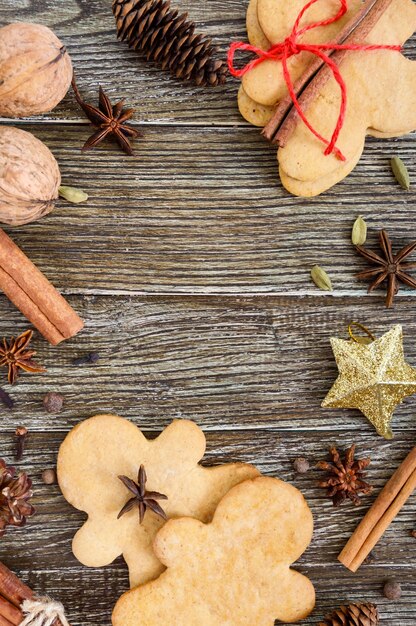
<point>380,85</point>
<point>204,546</point>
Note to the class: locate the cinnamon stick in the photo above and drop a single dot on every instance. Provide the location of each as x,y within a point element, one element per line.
<point>12,588</point>
<point>389,502</point>
<point>10,612</point>
<point>32,293</point>
<point>308,86</point>
<point>14,592</point>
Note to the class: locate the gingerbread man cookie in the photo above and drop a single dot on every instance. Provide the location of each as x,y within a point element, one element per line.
<point>265,83</point>
<point>234,571</point>
<point>100,450</point>
<point>381,101</point>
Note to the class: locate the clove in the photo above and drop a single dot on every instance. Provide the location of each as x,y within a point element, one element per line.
<point>21,435</point>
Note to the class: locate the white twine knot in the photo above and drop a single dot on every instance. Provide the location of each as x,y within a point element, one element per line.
<point>43,612</point>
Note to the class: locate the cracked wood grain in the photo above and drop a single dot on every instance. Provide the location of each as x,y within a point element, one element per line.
<point>203,212</point>
<point>233,363</point>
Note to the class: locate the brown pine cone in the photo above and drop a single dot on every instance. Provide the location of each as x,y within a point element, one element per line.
<point>15,491</point>
<point>353,615</point>
<point>152,28</point>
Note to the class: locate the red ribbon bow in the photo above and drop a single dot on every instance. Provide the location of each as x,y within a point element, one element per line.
<point>292,46</point>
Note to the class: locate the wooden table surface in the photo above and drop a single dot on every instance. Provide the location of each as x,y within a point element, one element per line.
<point>190,265</point>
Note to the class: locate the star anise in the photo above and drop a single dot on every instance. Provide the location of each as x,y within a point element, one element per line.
<point>15,356</point>
<point>15,491</point>
<point>110,121</point>
<point>142,499</point>
<point>389,267</point>
<point>345,478</point>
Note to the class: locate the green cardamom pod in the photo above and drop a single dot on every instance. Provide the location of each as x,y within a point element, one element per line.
<point>400,172</point>
<point>359,232</point>
<point>72,195</point>
<point>321,278</point>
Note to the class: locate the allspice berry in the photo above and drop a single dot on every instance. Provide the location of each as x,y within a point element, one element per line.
<point>301,465</point>
<point>35,70</point>
<point>53,402</point>
<point>29,177</point>
<point>392,590</point>
<point>49,477</point>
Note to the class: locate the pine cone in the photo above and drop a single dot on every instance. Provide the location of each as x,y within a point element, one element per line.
<point>14,495</point>
<point>353,615</point>
<point>154,29</point>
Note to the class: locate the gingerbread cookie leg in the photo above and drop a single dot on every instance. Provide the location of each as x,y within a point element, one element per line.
<point>309,189</point>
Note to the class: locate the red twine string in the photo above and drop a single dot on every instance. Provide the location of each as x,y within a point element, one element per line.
<point>292,46</point>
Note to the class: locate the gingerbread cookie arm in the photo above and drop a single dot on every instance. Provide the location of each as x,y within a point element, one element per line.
<point>398,115</point>
<point>96,549</point>
<point>295,597</point>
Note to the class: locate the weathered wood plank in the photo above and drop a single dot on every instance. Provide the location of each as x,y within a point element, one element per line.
<point>202,211</point>
<point>47,538</point>
<point>90,595</point>
<point>87,28</point>
<point>231,363</point>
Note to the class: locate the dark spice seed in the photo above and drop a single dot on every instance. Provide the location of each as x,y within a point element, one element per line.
<point>53,402</point>
<point>301,465</point>
<point>392,590</point>
<point>6,399</point>
<point>49,477</point>
<point>92,357</point>
<point>371,558</point>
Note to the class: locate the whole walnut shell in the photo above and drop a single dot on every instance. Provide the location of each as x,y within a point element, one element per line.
<point>29,177</point>
<point>35,70</point>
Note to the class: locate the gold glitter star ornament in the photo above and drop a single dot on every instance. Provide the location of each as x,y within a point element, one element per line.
<point>373,377</point>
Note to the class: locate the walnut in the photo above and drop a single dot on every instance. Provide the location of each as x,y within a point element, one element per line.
<point>29,177</point>
<point>35,70</point>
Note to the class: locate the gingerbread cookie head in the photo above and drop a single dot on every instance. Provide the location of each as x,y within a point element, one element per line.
<point>381,101</point>
<point>100,450</point>
<point>234,571</point>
